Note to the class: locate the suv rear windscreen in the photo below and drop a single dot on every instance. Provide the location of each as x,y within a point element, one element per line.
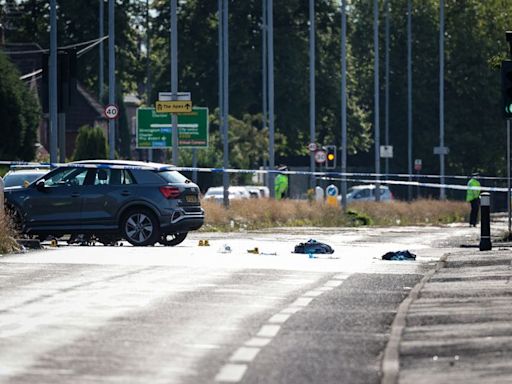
<point>173,177</point>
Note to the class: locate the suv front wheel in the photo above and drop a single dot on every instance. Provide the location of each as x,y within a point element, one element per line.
<point>140,227</point>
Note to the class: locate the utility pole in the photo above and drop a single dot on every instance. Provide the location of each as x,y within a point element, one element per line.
<point>111,77</point>
<point>376,96</point>
<point>101,63</point>
<point>344,104</point>
<point>225,87</point>
<point>409,97</point>
<point>442,194</point>
<point>270,20</point>
<point>174,78</point>
<point>312,109</point>
<point>148,69</point>
<point>53,82</point>
<point>386,70</point>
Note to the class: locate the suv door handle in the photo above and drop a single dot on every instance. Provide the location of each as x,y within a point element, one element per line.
<point>75,194</point>
<point>125,193</point>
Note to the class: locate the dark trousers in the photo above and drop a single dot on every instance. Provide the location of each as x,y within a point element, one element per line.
<point>475,204</point>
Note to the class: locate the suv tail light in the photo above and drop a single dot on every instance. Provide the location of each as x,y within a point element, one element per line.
<point>170,192</point>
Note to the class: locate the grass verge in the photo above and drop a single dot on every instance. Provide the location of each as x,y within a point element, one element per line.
<point>7,234</point>
<point>266,213</point>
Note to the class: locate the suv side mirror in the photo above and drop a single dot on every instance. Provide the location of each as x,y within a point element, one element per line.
<point>40,185</point>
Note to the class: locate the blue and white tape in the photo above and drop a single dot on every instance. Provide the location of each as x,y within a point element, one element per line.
<point>336,176</point>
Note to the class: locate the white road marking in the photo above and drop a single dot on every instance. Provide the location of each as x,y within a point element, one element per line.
<point>269,330</point>
<point>279,318</point>
<point>302,301</point>
<point>325,289</point>
<point>333,283</point>
<point>231,373</point>
<point>291,310</point>
<point>244,354</point>
<point>257,342</point>
<point>313,293</point>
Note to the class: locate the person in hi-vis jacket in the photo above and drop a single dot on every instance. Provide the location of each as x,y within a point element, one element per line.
<point>473,197</point>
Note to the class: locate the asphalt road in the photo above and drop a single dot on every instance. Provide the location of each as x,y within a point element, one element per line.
<point>191,314</point>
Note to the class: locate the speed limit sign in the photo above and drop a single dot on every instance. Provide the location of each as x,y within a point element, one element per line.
<point>320,156</point>
<point>111,111</point>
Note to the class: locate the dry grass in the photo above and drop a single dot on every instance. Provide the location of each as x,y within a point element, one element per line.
<point>266,213</point>
<point>7,234</point>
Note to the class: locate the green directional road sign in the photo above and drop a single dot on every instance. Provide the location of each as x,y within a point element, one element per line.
<point>154,130</point>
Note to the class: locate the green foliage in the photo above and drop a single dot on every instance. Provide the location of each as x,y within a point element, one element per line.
<point>90,144</point>
<point>20,115</point>
<point>198,50</point>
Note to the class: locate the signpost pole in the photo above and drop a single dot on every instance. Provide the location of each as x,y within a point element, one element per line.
<point>111,78</point>
<point>344,104</point>
<point>174,78</point>
<point>508,179</point>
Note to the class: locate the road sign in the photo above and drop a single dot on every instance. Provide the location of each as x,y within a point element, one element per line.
<point>111,111</point>
<point>312,147</point>
<point>386,151</point>
<point>332,195</point>
<point>154,130</point>
<point>176,106</point>
<point>167,96</point>
<point>417,165</point>
<point>320,156</point>
<point>441,150</point>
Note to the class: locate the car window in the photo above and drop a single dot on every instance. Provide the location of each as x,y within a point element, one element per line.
<point>361,194</point>
<point>18,179</point>
<point>112,177</point>
<point>173,177</point>
<point>67,176</point>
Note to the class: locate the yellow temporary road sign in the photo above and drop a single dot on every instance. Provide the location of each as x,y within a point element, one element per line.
<point>175,106</point>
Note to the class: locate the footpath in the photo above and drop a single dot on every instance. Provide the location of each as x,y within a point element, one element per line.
<point>457,327</point>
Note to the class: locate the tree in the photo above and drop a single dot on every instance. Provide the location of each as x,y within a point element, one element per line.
<point>198,58</point>
<point>20,115</point>
<point>90,144</point>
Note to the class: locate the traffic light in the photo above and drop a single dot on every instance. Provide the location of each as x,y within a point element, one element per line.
<point>506,88</point>
<point>330,162</point>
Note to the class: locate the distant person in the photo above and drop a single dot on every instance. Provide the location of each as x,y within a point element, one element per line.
<point>281,184</point>
<point>473,197</point>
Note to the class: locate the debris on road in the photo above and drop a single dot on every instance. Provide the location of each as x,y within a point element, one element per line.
<point>399,255</point>
<point>256,251</point>
<point>204,243</point>
<point>225,248</point>
<point>313,247</point>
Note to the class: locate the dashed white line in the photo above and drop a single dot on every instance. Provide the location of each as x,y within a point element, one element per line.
<point>313,293</point>
<point>231,373</point>
<point>279,318</point>
<point>244,354</point>
<point>257,342</point>
<point>302,301</point>
<point>333,283</point>
<point>269,330</point>
<point>291,310</point>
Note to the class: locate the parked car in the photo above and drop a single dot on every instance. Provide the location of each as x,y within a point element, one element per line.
<point>18,176</point>
<point>257,191</point>
<point>143,203</point>
<point>234,193</point>
<point>367,193</point>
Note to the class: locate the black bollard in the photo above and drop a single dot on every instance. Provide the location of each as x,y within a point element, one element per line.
<point>485,222</point>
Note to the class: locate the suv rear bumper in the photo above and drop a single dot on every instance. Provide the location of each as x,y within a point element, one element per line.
<point>182,221</point>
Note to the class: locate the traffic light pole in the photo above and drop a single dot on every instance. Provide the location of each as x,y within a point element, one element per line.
<point>508,179</point>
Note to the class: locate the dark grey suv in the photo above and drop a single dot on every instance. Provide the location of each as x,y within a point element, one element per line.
<point>143,203</point>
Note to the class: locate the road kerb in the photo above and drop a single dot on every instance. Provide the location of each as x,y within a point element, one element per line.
<point>391,358</point>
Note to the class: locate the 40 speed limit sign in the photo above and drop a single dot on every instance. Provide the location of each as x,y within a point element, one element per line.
<point>111,111</point>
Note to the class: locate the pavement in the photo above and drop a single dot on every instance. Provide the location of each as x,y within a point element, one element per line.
<point>455,326</point>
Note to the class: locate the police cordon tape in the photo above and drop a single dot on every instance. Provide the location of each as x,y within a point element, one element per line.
<point>334,176</point>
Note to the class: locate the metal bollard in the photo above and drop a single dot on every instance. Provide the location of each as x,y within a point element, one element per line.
<point>485,222</point>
